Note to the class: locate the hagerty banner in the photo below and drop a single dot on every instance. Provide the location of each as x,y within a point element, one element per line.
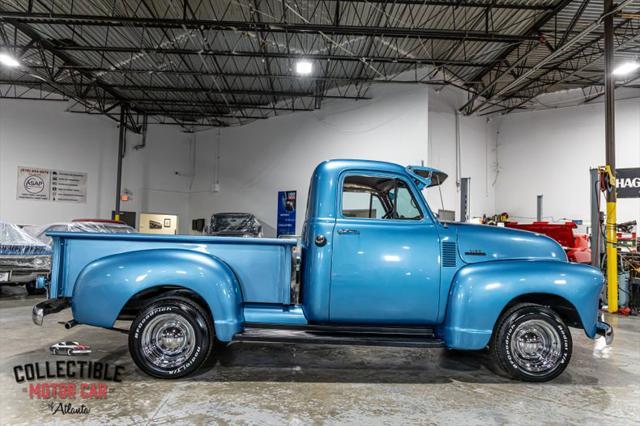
<point>36,183</point>
<point>628,182</point>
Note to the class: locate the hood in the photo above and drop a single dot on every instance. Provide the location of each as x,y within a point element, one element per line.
<point>480,243</point>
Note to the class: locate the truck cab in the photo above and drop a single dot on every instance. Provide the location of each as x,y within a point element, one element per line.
<point>376,268</point>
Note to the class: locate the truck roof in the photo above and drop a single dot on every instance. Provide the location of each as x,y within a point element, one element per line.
<point>322,202</point>
<point>337,166</point>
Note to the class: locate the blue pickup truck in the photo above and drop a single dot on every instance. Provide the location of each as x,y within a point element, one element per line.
<point>376,267</point>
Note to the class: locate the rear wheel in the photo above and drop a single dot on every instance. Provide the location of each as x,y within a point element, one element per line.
<point>171,337</point>
<point>531,343</point>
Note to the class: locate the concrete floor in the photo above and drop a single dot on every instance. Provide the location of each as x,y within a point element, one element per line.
<point>297,384</point>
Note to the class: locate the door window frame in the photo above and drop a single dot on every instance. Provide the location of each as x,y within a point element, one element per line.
<point>419,199</point>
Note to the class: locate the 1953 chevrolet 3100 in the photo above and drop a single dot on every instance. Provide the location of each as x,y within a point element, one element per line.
<point>377,268</point>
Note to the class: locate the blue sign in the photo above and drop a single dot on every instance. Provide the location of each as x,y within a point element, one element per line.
<point>286,213</point>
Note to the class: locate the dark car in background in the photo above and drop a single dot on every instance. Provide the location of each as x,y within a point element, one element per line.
<point>22,257</point>
<point>234,225</point>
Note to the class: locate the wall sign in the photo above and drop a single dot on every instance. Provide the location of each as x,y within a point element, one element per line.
<point>628,183</point>
<point>33,184</point>
<point>158,223</point>
<point>286,213</point>
<point>51,185</point>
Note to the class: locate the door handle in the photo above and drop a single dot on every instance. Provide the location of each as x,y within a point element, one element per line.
<point>348,232</point>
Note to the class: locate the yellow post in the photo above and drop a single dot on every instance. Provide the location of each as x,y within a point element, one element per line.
<point>612,257</point>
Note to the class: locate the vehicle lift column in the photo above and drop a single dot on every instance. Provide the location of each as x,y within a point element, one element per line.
<point>596,219</point>
<point>610,167</point>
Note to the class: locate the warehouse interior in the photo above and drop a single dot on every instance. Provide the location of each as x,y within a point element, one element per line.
<point>183,109</point>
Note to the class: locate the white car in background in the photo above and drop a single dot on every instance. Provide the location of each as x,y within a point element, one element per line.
<point>22,257</point>
<point>79,225</point>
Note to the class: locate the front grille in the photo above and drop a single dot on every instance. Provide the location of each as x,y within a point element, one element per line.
<point>26,262</point>
<point>449,254</point>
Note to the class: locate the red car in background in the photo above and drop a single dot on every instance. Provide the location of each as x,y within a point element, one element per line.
<point>574,244</point>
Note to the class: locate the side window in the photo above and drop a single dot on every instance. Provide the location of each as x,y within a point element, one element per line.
<point>362,204</point>
<point>406,206</point>
<point>375,197</point>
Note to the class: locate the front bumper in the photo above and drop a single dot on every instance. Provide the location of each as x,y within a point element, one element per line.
<point>20,276</point>
<point>605,330</point>
<point>49,306</point>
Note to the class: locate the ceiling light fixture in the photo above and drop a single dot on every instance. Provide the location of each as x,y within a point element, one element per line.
<point>8,60</point>
<point>627,67</point>
<point>304,67</point>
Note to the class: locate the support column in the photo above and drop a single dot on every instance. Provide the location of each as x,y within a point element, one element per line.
<point>121,148</point>
<point>465,188</point>
<point>539,215</point>
<point>610,143</point>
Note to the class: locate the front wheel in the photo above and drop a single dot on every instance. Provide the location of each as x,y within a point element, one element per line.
<point>171,337</point>
<point>531,343</point>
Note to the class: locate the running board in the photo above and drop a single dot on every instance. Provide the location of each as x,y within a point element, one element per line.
<point>427,332</point>
<point>270,335</point>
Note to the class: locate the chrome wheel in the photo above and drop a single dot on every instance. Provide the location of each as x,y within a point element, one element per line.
<point>168,341</point>
<point>536,346</point>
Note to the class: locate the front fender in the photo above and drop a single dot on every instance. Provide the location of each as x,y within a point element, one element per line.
<point>105,285</point>
<point>480,292</point>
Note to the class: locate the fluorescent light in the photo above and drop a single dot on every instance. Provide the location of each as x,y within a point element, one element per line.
<point>8,60</point>
<point>626,68</point>
<point>304,67</point>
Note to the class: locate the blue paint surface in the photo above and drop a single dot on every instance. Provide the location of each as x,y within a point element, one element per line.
<point>457,277</point>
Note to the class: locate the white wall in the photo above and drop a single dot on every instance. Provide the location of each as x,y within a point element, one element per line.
<point>259,159</point>
<point>476,154</point>
<point>550,153</point>
<point>42,134</point>
<point>544,152</point>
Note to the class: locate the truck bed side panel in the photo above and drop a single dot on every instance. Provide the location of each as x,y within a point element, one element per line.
<point>262,266</point>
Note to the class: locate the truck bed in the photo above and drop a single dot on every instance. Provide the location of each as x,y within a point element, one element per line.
<point>262,265</point>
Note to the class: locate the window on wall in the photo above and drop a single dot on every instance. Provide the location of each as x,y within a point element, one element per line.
<point>376,197</point>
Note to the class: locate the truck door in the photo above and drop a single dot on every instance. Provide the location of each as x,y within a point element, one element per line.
<point>385,262</point>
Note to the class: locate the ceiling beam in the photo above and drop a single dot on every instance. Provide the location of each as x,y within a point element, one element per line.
<point>42,44</point>
<point>302,78</point>
<point>534,29</point>
<point>514,5</point>
<point>266,27</point>
<point>513,86</point>
<point>175,89</point>
<point>279,55</point>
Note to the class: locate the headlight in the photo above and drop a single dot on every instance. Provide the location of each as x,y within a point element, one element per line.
<point>42,262</point>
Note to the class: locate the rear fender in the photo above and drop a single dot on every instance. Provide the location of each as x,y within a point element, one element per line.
<point>105,285</point>
<point>480,292</point>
